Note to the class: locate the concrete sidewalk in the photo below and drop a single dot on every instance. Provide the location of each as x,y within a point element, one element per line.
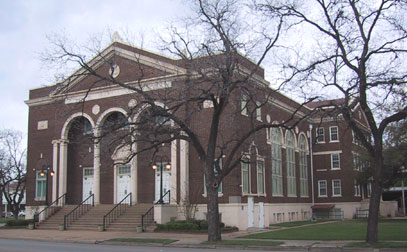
<point>184,239</point>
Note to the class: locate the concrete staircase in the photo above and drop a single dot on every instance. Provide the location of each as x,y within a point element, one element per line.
<point>128,221</point>
<point>92,219</point>
<point>57,219</point>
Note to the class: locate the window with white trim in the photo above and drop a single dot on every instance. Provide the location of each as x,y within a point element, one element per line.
<point>245,176</point>
<point>260,176</point>
<point>322,188</point>
<point>243,105</point>
<point>216,174</point>
<point>320,135</point>
<point>369,190</point>
<point>303,166</point>
<point>40,186</point>
<point>336,188</point>
<point>291,183</point>
<point>356,162</point>
<point>276,162</point>
<point>335,161</point>
<point>357,188</point>
<point>258,111</point>
<point>333,134</point>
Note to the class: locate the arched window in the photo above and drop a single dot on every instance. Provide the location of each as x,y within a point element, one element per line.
<point>276,162</point>
<point>291,185</point>
<point>303,166</point>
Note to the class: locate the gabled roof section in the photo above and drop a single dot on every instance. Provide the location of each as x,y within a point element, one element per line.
<point>135,65</point>
<point>325,103</point>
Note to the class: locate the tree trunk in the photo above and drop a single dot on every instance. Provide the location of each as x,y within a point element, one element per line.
<point>213,215</point>
<point>374,205</point>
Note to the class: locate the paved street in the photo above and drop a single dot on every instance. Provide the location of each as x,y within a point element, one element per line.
<point>42,246</point>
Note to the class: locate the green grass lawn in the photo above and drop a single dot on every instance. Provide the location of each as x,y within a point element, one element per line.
<point>244,243</point>
<point>142,240</point>
<point>297,223</point>
<point>342,230</point>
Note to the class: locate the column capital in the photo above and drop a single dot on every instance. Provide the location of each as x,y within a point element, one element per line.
<point>56,141</point>
<point>63,141</point>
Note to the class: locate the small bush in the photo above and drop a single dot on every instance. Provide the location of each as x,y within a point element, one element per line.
<point>18,223</point>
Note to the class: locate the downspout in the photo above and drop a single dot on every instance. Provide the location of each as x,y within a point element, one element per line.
<point>312,164</point>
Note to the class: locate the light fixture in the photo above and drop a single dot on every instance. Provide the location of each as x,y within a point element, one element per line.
<point>52,173</point>
<point>155,167</point>
<point>42,173</point>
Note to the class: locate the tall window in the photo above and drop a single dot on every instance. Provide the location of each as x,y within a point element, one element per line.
<point>303,166</point>
<point>369,190</point>
<point>357,188</point>
<point>276,162</point>
<point>243,105</point>
<point>322,188</point>
<point>333,134</point>
<point>335,161</point>
<point>216,174</point>
<point>291,185</point>
<point>356,162</point>
<point>258,111</point>
<point>260,176</point>
<point>336,188</point>
<point>40,186</point>
<point>320,135</point>
<point>245,176</point>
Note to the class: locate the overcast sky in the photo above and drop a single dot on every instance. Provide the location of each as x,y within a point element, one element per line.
<point>24,26</point>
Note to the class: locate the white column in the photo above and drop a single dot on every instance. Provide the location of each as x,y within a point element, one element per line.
<point>96,172</point>
<point>63,163</point>
<point>134,176</point>
<point>184,176</point>
<point>55,169</point>
<point>174,172</point>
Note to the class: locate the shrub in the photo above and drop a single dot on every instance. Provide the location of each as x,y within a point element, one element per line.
<point>18,223</point>
<point>185,225</point>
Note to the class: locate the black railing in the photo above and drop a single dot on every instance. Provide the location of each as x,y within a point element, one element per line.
<point>79,210</point>
<point>116,211</point>
<point>51,209</point>
<point>148,217</point>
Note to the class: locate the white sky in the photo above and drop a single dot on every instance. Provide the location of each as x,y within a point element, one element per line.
<point>24,25</point>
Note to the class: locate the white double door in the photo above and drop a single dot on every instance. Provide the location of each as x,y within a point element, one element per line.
<point>87,182</point>
<point>123,182</point>
<point>166,184</point>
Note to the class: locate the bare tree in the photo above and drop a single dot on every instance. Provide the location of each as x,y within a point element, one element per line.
<point>216,78</point>
<point>358,54</point>
<point>12,170</point>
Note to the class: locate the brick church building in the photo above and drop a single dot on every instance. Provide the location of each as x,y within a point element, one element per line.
<point>292,174</point>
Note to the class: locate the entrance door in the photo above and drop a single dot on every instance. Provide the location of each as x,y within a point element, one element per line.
<point>87,184</point>
<point>166,184</point>
<point>123,181</point>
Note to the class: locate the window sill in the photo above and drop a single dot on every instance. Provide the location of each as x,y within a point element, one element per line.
<point>322,196</point>
<point>304,196</point>
<point>322,170</point>
<point>205,195</point>
<point>321,142</point>
<point>292,196</point>
<point>39,199</point>
<point>253,195</point>
<point>334,141</point>
<point>277,195</point>
<point>335,169</point>
<point>336,196</point>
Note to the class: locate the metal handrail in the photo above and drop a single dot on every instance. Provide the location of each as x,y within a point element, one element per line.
<point>116,211</point>
<point>50,209</point>
<point>148,217</point>
<point>78,211</point>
